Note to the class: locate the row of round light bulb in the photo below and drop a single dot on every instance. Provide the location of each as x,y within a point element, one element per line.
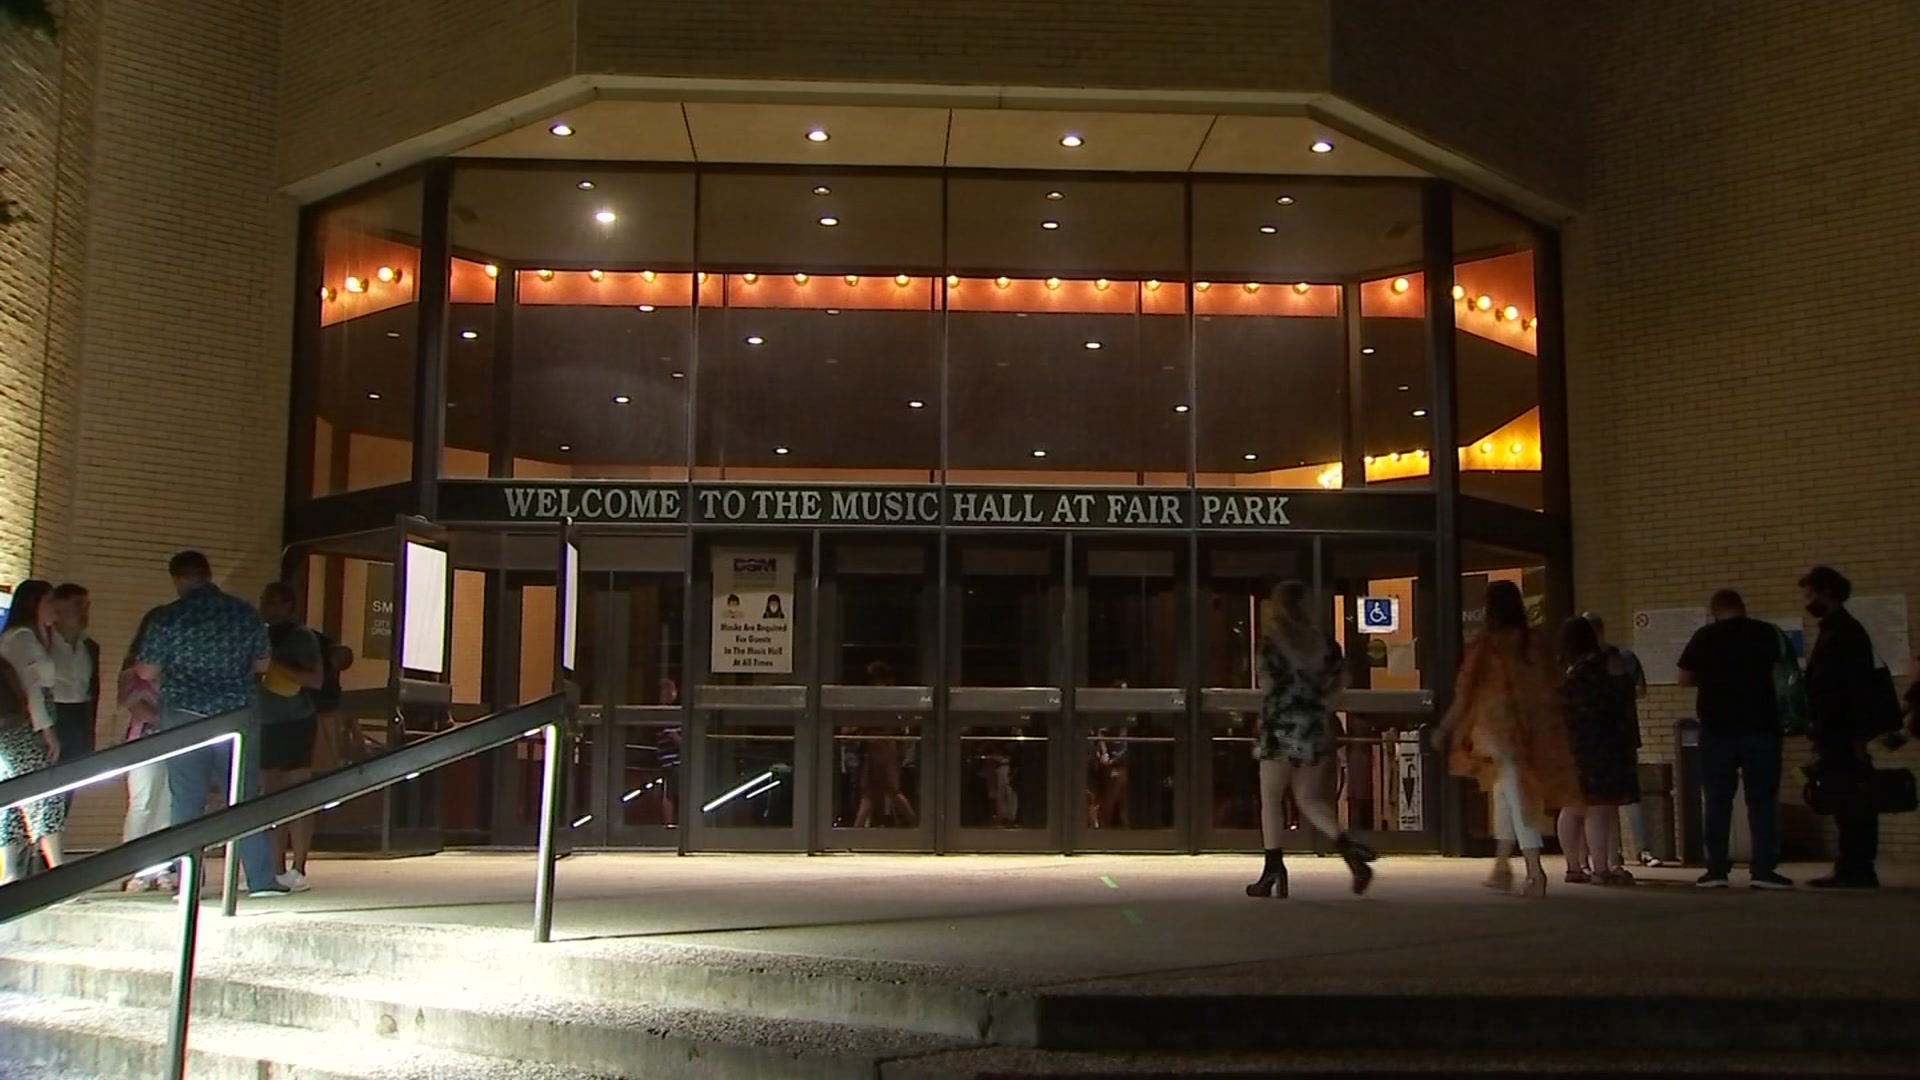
<point>1070,140</point>
<point>1483,302</point>
<point>356,284</point>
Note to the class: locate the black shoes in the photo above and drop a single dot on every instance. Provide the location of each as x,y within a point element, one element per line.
<point>1846,881</point>
<point>1357,856</point>
<point>1273,876</point>
<point>1712,879</point>
<point>1770,881</point>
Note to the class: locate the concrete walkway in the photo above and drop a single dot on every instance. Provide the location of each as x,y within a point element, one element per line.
<point>1160,924</point>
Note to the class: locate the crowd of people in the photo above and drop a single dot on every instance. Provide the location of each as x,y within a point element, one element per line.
<point>1549,729</point>
<point>206,653</point>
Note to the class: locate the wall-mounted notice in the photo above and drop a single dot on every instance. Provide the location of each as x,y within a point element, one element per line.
<point>376,642</point>
<point>1659,635</point>
<point>1409,795</point>
<point>753,611</point>
<point>1885,618</point>
<point>425,646</point>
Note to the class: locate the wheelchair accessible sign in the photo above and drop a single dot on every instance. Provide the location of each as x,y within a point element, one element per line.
<point>1379,614</point>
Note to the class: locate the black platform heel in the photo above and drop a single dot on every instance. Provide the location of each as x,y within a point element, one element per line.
<point>1357,855</point>
<point>1273,876</point>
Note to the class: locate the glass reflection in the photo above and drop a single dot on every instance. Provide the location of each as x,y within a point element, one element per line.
<point>1131,775</point>
<point>750,773</point>
<point>1003,781</point>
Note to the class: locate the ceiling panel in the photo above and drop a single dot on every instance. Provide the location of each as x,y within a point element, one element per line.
<point>857,134</point>
<point>602,131</point>
<point>1017,139</point>
<point>1282,145</point>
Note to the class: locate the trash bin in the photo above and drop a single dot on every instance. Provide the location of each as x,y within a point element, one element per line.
<point>1656,810</point>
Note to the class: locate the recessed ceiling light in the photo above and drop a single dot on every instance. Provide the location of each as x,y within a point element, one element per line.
<point>1056,195</point>
<point>1039,453</point>
<point>1367,351</point>
<point>679,374</point>
<point>1093,344</point>
<point>564,447</point>
<point>822,189</point>
<point>1268,229</point>
<point>646,307</point>
<point>621,399</point>
<point>1049,224</point>
<point>1180,408</point>
<point>1250,457</point>
<point>371,396</point>
<point>916,404</point>
<point>562,130</point>
<point>393,333</point>
<point>829,222</point>
<point>833,311</point>
<point>469,334</point>
<point>1071,141</point>
<point>606,217</point>
<point>586,185</point>
<point>818,135</point>
<point>780,450</point>
<point>1321,146</point>
<point>756,339</point>
<point>1419,412</point>
<point>1284,200</point>
<point>1403,388</point>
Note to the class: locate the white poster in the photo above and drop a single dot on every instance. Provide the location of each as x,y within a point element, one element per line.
<point>1659,635</point>
<point>1408,796</point>
<point>425,646</point>
<point>753,611</point>
<point>1885,618</point>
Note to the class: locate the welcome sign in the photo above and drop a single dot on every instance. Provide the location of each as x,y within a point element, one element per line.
<point>926,506</point>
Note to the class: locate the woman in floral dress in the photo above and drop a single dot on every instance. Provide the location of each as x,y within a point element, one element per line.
<point>1299,667</point>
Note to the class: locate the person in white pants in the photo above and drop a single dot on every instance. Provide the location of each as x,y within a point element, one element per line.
<point>147,796</point>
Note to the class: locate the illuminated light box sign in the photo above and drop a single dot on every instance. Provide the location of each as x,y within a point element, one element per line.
<point>512,502</point>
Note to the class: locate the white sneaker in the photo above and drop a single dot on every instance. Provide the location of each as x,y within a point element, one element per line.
<point>292,881</point>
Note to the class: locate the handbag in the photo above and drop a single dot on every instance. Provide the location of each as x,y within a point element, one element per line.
<point>1858,792</point>
<point>1790,690</point>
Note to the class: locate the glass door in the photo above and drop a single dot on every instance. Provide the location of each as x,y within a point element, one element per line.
<point>1004,766</point>
<point>752,755</point>
<point>1130,732</point>
<point>879,626</point>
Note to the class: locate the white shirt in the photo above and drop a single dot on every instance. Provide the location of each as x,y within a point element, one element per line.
<point>72,670</point>
<point>31,663</point>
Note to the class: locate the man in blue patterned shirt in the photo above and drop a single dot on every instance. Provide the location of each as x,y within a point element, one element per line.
<point>206,650</point>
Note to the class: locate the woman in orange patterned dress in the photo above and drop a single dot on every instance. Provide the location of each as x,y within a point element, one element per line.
<point>1504,730</point>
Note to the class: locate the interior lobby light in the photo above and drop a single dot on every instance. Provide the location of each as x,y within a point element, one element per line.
<point>1180,408</point>
<point>326,293</point>
<point>1367,350</point>
<point>469,335</point>
<point>1403,388</point>
<point>1003,281</point>
<point>953,280</point>
<point>902,280</point>
<point>1302,287</point>
<point>493,271</point>
<point>646,307</point>
<point>916,404</point>
<point>544,275</point>
<point>1056,195</point>
<point>800,279</point>
<point>564,447</point>
<point>648,276</point>
<point>1419,412</point>
<point>1250,457</point>
<point>1401,285</point>
<point>355,284</point>
<point>749,277</point>
<point>756,339</point>
<point>1459,292</point>
<point>621,399</point>
<point>596,275</point>
<point>1203,286</point>
<point>1153,285</point>
<point>1093,345</point>
<point>586,185</point>
<point>822,189</point>
<point>1070,141</point>
<point>701,277</point>
<point>1510,313</point>
<point>1486,448</point>
<point>1516,448</point>
<point>1484,302</point>
<point>563,130</point>
<point>1268,229</point>
<point>853,279</point>
<point>679,374</point>
<point>781,450</point>
<point>606,217</point>
<point>1053,283</point>
<point>1103,284</point>
<point>371,396</point>
<point>833,311</point>
<point>1321,146</point>
<point>1252,286</point>
<point>818,135</point>
<point>1284,200</point>
<point>829,221</point>
<point>387,274</point>
<point>1049,224</point>
<point>1039,453</point>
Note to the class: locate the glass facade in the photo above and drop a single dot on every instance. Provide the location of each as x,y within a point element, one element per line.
<point>921,509</point>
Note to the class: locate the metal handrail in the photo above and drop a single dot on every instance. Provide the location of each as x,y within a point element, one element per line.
<point>187,840</point>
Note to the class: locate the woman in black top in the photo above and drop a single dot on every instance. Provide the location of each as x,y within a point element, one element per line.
<point>1598,708</point>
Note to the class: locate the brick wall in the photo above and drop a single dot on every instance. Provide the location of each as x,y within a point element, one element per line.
<point>1742,325</point>
<point>1160,44</point>
<point>166,392</point>
<point>360,76</point>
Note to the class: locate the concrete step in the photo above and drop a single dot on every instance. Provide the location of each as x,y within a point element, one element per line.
<point>1005,1063</point>
<point>902,997</point>
<point>66,1037</point>
<point>489,1018</point>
